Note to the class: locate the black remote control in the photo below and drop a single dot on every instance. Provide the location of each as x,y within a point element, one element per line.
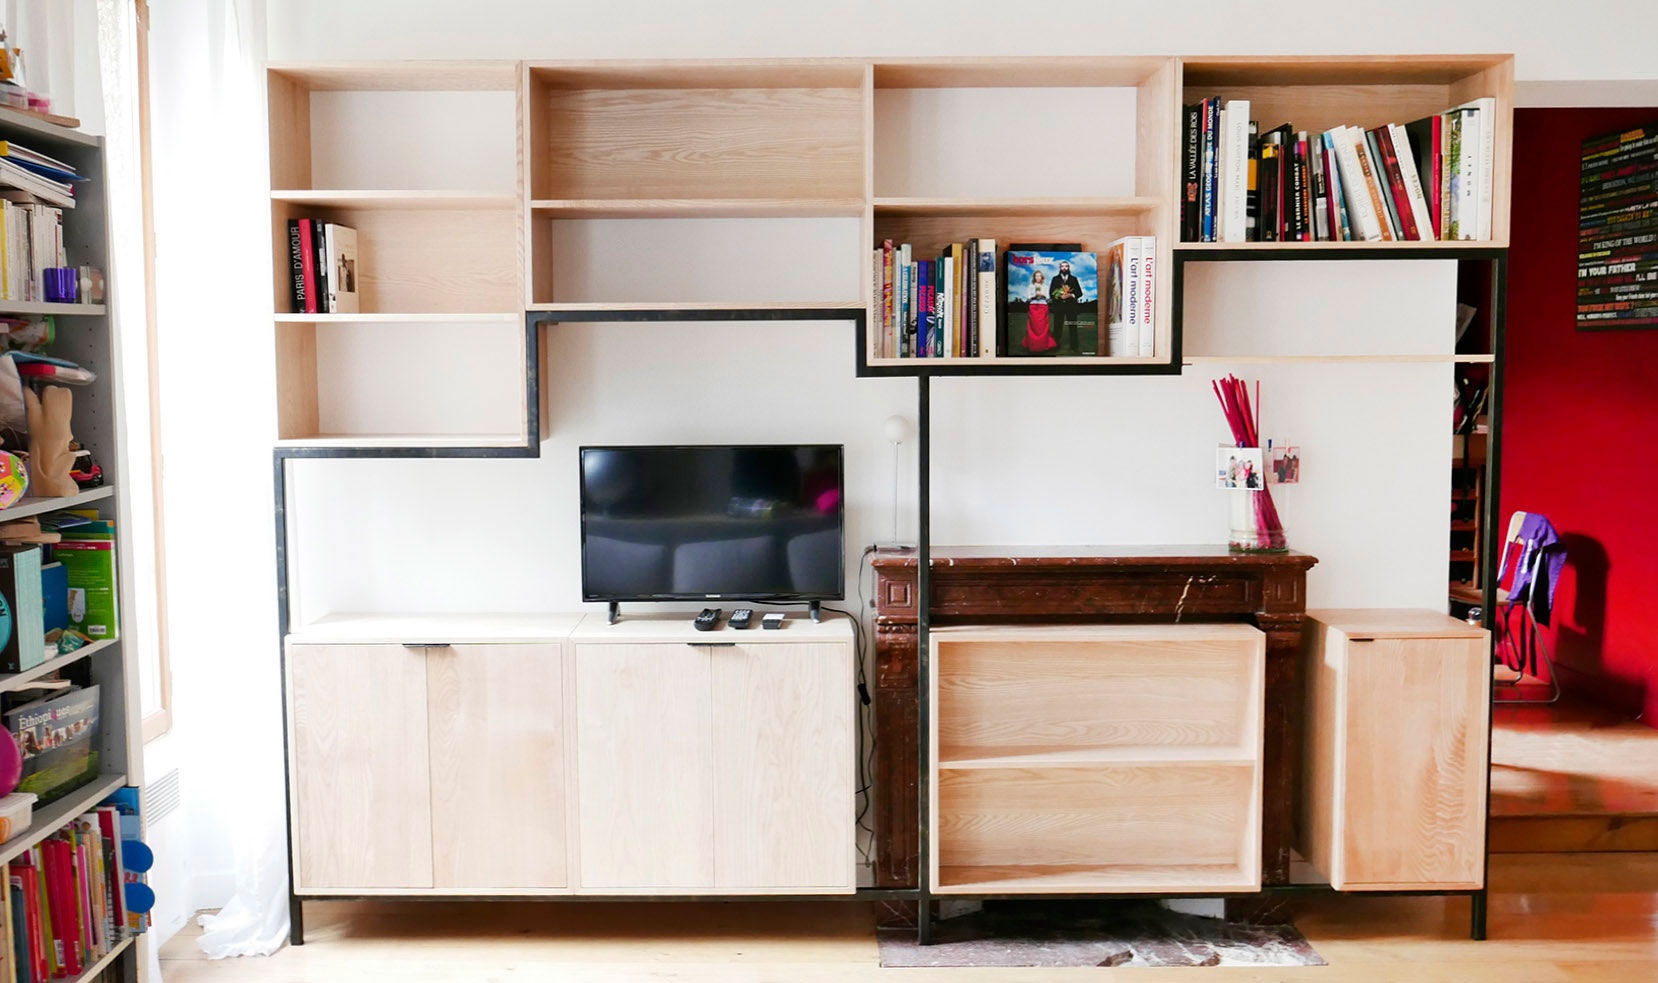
<point>708,620</point>
<point>741,618</point>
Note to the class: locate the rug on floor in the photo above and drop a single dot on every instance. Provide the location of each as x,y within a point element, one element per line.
<point>1125,933</point>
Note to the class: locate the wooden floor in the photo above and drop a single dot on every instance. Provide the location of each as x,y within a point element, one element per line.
<point>1553,918</point>
<point>1572,777</point>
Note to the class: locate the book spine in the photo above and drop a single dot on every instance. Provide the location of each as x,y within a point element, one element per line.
<point>1361,219</point>
<point>1207,213</point>
<point>65,922</point>
<point>1148,295</point>
<point>1252,193</point>
<point>913,315</point>
<point>1404,217</point>
<point>958,297</point>
<point>1436,161</point>
<point>1488,165</point>
<point>989,330</point>
<point>923,307</point>
<point>319,232</point>
<point>296,268</point>
<point>872,343</point>
<point>1343,229</point>
<point>308,269</point>
<point>1412,181</point>
<point>1295,228</point>
<point>1321,194</point>
<point>1468,168</point>
<point>1190,229</point>
<point>1237,170</point>
<point>1267,169</point>
<point>886,298</point>
<point>1131,293</point>
<point>1372,182</point>
<point>1223,150</point>
<point>901,274</point>
<point>1384,185</point>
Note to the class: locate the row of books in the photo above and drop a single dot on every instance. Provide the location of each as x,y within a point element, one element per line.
<point>322,262</point>
<point>1431,178</point>
<point>31,242</point>
<point>64,906</point>
<point>1032,300</point>
<point>42,178</point>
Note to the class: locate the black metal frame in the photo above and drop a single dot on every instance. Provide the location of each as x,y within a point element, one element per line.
<point>923,370</point>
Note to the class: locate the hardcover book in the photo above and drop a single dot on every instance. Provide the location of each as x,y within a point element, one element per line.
<point>342,269</point>
<point>1053,303</point>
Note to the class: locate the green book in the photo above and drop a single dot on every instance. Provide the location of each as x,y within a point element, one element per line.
<point>22,615</point>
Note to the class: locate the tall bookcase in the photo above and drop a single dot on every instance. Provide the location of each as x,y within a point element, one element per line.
<point>854,143</point>
<point>85,336</point>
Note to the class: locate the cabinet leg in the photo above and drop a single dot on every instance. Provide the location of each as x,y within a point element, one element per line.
<point>1476,927</point>
<point>296,920</point>
<point>924,922</point>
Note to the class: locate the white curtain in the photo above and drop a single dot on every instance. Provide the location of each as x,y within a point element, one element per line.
<point>213,297</point>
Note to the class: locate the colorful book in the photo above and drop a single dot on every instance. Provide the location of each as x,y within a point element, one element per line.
<point>1398,198</point>
<point>1417,201</point>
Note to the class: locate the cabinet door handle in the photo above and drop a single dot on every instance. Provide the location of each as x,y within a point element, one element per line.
<point>712,645</point>
<point>425,645</point>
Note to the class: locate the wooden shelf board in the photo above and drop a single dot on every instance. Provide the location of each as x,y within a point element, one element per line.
<point>50,818</point>
<point>13,681</point>
<point>1015,207</point>
<point>45,307</point>
<point>400,76</point>
<point>1402,246</point>
<point>1279,70</point>
<point>405,440</point>
<point>1290,359</point>
<point>38,506</point>
<point>1015,71</point>
<point>954,759</point>
<point>1463,556</point>
<point>1113,879</point>
<point>40,129</point>
<point>1020,360</point>
<point>736,73</point>
<point>436,200</point>
<point>379,318</point>
<point>850,306</point>
<point>578,208</point>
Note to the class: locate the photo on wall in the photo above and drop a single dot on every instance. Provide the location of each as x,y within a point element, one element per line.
<point>1053,303</point>
<point>1239,467</point>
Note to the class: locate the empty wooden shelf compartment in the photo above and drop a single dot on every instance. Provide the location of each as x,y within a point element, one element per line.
<point>1087,758</point>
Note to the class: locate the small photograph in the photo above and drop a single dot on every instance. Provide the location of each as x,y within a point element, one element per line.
<point>1053,303</point>
<point>1239,467</point>
<point>1286,465</point>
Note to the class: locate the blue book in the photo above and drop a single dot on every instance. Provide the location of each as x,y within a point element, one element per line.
<point>924,311</point>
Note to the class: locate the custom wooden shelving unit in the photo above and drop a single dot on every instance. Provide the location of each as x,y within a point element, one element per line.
<point>822,156</point>
<point>85,336</point>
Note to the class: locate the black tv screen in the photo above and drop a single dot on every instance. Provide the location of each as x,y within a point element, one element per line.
<point>746,522</point>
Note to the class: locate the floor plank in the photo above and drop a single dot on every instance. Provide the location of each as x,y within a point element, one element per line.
<point>1583,917</point>
<point>1572,759</point>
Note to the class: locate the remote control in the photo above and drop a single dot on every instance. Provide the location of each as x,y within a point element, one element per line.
<point>740,618</point>
<point>708,620</point>
<point>773,620</point>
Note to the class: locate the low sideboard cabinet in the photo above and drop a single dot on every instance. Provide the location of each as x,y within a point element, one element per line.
<point>552,755</point>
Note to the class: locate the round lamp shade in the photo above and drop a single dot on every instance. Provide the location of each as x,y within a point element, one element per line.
<point>899,429</point>
<point>11,763</point>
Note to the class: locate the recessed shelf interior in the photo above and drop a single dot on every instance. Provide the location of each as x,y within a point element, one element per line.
<point>345,380</point>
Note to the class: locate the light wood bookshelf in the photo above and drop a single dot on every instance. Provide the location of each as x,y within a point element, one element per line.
<point>781,140</point>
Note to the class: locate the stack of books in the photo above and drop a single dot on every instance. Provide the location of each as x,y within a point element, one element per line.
<point>322,263</point>
<point>37,176</point>
<point>1431,178</point>
<point>63,906</point>
<point>1029,300</point>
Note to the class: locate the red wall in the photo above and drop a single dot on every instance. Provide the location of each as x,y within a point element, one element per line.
<point>1580,424</point>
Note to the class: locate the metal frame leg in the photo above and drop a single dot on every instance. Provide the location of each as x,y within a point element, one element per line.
<point>1476,927</point>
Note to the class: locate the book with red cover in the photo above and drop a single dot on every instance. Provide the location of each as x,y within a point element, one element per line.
<point>1396,184</point>
<point>109,824</point>
<point>1427,143</point>
<point>308,267</point>
<point>60,900</point>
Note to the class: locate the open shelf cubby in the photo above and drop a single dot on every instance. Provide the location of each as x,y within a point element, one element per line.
<point>1103,758</point>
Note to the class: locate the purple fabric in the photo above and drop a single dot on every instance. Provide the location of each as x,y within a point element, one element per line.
<point>1537,572</point>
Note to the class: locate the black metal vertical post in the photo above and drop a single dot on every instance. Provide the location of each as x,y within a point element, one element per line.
<point>1491,535</point>
<point>296,908</point>
<point>923,616</point>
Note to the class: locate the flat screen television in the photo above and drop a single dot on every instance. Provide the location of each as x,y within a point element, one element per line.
<point>760,522</point>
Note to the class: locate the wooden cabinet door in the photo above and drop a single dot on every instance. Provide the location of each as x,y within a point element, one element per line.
<point>358,760</point>
<point>645,766</point>
<point>1413,808</point>
<point>496,716</point>
<point>784,766</point>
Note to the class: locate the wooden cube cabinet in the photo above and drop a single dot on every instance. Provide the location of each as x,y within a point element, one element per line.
<point>550,755</point>
<point>1117,758</point>
<point>1393,792</point>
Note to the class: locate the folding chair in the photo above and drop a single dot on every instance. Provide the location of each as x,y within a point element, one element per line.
<point>1516,617</point>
